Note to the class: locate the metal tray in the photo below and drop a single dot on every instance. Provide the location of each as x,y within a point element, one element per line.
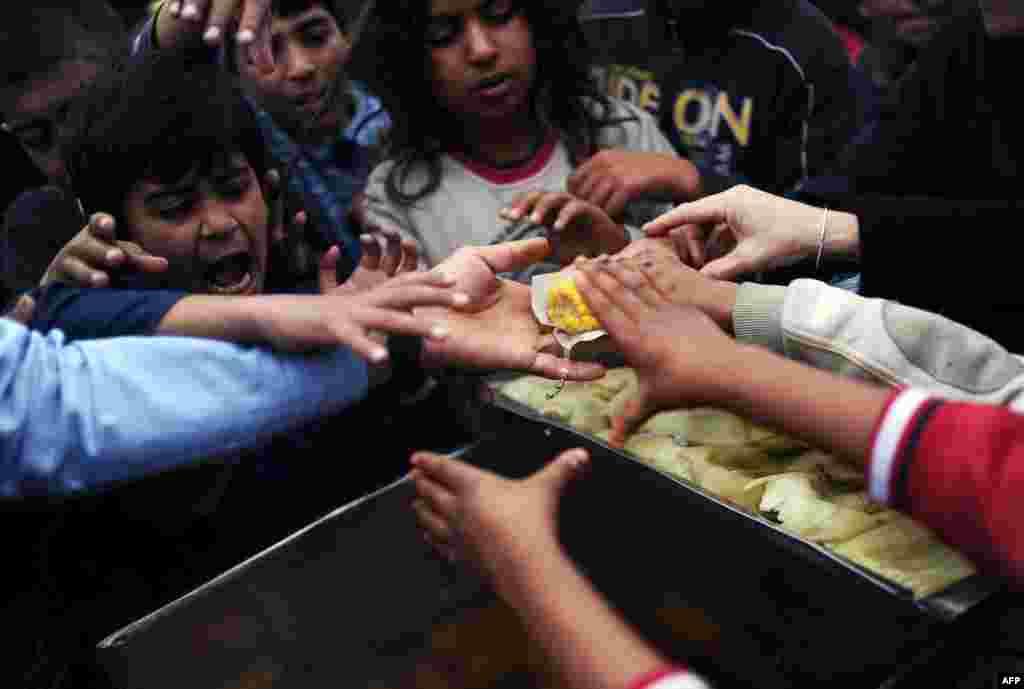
<point>944,605</point>
<point>792,611</point>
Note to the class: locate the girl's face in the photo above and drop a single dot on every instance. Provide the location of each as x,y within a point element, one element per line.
<point>481,58</point>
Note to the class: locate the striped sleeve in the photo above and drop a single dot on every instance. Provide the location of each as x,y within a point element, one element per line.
<point>669,678</point>
<point>957,467</point>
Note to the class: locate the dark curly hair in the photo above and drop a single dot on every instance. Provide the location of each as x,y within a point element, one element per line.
<point>390,55</point>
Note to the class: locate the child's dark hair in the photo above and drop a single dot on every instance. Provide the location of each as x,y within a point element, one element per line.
<point>391,54</point>
<point>36,37</point>
<point>157,118</point>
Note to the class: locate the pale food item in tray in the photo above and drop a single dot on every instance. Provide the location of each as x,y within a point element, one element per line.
<point>797,504</point>
<point>804,491</point>
<point>661,452</point>
<point>907,553</point>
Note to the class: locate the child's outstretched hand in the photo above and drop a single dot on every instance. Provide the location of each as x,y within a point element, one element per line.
<point>579,228</point>
<point>613,177</point>
<point>89,258</point>
<point>385,255</point>
<point>491,522</point>
<point>304,322</point>
<point>679,354</point>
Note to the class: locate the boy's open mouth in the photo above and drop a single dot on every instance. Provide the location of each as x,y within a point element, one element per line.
<point>231,274</point>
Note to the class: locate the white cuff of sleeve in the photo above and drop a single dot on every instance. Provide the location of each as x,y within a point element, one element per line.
<point>680,680</point>
<point>887,444</point>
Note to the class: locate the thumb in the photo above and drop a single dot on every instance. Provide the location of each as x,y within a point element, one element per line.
<point>328,276</point>
<point>513,256</point>
<point>563,469</point>
<point>728,267</point>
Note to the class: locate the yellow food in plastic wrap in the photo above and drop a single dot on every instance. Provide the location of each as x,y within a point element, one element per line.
<point>568,311</point>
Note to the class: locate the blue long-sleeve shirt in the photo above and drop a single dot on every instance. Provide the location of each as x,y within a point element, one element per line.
<point>76,417</point>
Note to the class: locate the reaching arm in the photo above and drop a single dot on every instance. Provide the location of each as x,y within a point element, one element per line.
<point>507,530</point>
<point>185,23</point>
<point>877,340</point>
<point>78,417</point>
<point>592,647</point>
<point>952,465</point>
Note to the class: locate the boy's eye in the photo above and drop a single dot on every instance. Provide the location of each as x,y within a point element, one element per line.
<point>442,31</point>
<point>315,37</point>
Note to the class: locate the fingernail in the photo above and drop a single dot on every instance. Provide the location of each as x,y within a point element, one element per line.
<point>190,11</point>
<point>438,332</point>
<point>98,279</point>
<point>378,355</point>
<point>175,9</point>
<point>460,299</point>
<point>564,373</point>
<point>245,36</point>
<point>577,456</point>
<point>106,222</point>
<point>212,34</point>
<point>535,218</point>
<point>115,255</point>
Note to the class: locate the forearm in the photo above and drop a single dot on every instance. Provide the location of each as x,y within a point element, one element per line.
<point>830,412</point>
<point>588,643</point>
<point>232,319</point>
<point>877,340</point>
<point>245,320</point>
<point>82,416</point>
